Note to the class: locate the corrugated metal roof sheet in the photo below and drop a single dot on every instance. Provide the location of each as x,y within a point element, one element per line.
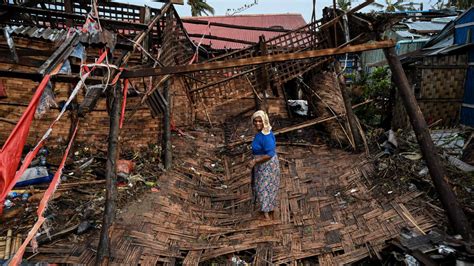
<point>443,43</point>
<point>424,26</point>
<point>39,33</point>
<point>444,20</point>
<point>104,37</point>
<point>281,21</point>
<point>404,34</point>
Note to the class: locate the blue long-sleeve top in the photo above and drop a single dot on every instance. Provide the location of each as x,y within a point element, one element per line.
<point>264,144</point>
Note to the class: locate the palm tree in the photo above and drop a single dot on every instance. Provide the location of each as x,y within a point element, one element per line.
<point>198,7</point>
<point>398,5</point>
<point>344,5</point>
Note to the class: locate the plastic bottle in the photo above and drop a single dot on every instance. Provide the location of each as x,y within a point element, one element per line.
<point>43,153</point>
<point>25,196</point>
<point>8,203</point>
<point>13,194</point>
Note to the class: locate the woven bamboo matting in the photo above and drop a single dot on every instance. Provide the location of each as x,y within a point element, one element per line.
<point>203,211</point>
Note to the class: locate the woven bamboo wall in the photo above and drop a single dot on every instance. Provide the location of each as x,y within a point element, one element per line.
<point>438,84</point>
<point>443,77</point>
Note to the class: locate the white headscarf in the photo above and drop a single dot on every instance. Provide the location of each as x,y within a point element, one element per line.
<point>266,122</point>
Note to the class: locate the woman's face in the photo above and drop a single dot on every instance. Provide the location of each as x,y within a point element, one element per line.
<point>258,123</point>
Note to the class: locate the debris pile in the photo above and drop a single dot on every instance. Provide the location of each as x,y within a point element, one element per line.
<point>78,203</point>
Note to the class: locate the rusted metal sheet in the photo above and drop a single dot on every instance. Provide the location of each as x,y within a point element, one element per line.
<point>53,35</point>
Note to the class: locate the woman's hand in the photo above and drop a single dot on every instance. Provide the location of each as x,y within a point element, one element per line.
<point>251,164</point>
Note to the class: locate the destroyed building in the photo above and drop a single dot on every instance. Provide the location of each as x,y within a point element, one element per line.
<point>117,79</point>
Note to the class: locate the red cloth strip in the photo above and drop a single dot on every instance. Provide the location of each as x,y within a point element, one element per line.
<point>10,154</point>
<point>16,260</point>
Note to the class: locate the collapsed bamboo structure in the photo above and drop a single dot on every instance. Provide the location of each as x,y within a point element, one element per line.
<point>180,86</point>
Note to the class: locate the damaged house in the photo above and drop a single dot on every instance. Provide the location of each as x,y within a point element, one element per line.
<point>106,85</point>
<point>442,75</point>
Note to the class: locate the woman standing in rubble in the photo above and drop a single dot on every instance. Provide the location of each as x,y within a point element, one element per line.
<point>265,164</point>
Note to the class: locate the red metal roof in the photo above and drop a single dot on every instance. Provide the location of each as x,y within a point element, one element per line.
<point>285,21</point>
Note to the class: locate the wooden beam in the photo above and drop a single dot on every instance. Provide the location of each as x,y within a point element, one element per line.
<point>302,125</point>
<point>15,9</point>
<point>205,86</point>
<point>38,77</point>
<point>351,117</point>
<point>103,250</point>
<point>257,60</point>
<point>262,74</point>
<point>89,102</point>
<point>68,7</point>
<point>60,54</point>
<point>167,155</point>
<point>437,172</point>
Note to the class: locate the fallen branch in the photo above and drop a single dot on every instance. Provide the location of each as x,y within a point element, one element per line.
<point>7,121</point>
<point>299,126</point>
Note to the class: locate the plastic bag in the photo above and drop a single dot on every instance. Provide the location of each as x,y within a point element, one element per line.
<point>46,101</point>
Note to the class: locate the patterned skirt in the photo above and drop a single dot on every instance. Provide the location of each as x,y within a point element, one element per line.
<point>266,184</point>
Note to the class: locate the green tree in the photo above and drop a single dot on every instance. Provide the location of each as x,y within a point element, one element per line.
<point>397,5</point>
<point>459,4</point>
<point>200,7</point>
<point>344,5</point>
<point>373,86</point>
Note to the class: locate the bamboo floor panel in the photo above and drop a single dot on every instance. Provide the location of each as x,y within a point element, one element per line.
<point>325,210</point>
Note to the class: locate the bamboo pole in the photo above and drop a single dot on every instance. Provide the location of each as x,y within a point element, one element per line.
<point>437,171</point>
<point>167,156</point>
<point>351,117</point>
<point>8,245</point>
<point>103,251</point>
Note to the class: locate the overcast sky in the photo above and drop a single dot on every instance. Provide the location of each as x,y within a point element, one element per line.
<point>303,7</point>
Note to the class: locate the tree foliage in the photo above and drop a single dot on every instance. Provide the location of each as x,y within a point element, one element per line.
<point>459,4</point>
<point>375,86</point>
<point>200,7</point>
<point>398,5</point>
<point>344,5</point>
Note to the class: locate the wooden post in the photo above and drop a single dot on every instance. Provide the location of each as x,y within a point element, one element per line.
<point>103,251</point>
<point>68,8</point>
<point>351,118</point>
<point>335,24</point>
<point>437,171</point>
<point>146,41</point>
<point>263,73</point>
<point>166,147</point>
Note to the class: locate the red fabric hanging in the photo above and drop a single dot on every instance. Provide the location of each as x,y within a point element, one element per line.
<point>10,154</point>
<point>16,260</point>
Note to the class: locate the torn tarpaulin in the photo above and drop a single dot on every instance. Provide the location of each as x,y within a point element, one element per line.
<point>79,52</point>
